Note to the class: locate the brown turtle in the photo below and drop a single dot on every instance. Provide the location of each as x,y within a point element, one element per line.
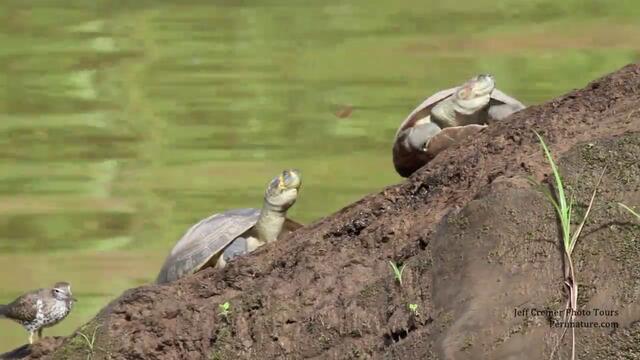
<point>216,240</point>
<point>447,117</point>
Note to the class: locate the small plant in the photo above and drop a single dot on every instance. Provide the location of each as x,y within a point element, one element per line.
<point>569,239</point>
<point>397,272</point>
<point>224,309</point>
<point>414,309</point>
<point>629,210</point>
<point>90,343</point>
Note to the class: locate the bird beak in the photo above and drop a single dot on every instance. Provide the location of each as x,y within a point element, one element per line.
<point>74,299</point>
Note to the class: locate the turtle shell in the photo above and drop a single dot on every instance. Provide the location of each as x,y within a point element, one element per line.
<point>406,160</point>
<point>424,109</point>
<point>208,238</point>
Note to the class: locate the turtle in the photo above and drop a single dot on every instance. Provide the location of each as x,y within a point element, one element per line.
<point>217,239</point>
<point>446,117</point>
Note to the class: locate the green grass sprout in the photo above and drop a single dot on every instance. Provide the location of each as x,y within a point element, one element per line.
<point>569,239</point>
<point>414,309</point>
<point>224,309</point>
<point>90,343</point>
<point>397,271</point>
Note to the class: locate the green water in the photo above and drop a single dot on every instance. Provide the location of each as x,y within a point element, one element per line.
<point>124,122</point>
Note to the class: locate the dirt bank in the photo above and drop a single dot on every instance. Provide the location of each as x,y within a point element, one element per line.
<point>479,243</point>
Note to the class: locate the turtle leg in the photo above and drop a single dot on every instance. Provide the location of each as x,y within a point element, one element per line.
<point>419,136</point>
<point>238,247</point>
<point>499,112</point>
<point>220,263</point>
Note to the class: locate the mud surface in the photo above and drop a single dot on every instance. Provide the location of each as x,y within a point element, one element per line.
<point>479,242</point>
<point>40,349</point>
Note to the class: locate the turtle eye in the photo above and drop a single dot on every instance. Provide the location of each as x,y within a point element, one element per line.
<point>274,183</point>
<point>290,179</point>
<point>286,177</point>
<point>464,93</point>
<point>281,182</point>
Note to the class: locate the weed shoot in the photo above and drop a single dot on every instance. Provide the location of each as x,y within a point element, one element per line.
<point>414,309</point>
<point>224,309</point>
<point>397,272</point>
<point>569,239</point>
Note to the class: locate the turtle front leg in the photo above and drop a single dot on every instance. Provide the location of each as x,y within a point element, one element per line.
<point>499,112</point>
<point>220,263</point>
<point>420,135</point>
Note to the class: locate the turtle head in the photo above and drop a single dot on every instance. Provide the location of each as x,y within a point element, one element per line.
<point>474,94</point>
<point>62,291</point>
<point>282,191</point>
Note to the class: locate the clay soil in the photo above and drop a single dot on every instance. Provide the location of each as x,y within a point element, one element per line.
<point>479,240</point>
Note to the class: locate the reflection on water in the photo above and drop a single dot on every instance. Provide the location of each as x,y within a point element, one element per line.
<point>121,124</point>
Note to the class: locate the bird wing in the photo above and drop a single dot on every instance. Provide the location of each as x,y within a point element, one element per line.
<point>23,308</point>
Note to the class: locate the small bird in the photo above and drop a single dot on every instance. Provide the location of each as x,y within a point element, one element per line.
<point>40,308</point>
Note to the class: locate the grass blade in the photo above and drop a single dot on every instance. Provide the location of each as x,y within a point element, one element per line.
<point>629,210</point>
<point>561,205</point>
<point>576,234</point>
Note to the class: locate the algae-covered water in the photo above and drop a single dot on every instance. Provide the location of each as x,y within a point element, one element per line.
<point>124,122</point>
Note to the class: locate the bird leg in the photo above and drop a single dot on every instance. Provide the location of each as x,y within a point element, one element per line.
<point>40,333</point>
<point>30,337</point>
